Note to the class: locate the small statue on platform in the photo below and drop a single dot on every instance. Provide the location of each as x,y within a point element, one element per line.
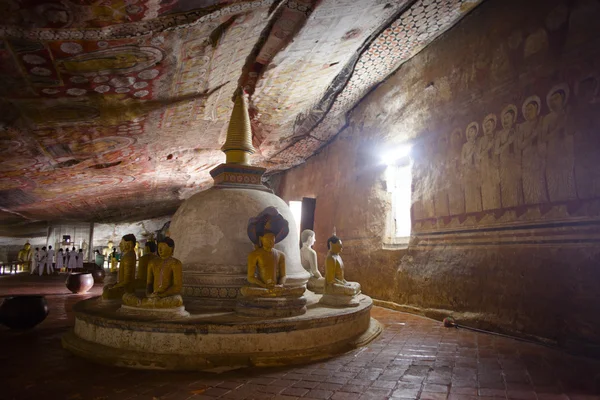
<point>25,257</point>
<point>126,277</point>
<point>114,261</point>
<point>141,275</point>
<point>308,257</point>
<point>338,291</point>
<point>266,295</point>
<point>164,281</point>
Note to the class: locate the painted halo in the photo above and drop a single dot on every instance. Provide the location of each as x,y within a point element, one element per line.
<point>476,126</point>
<point>532,99</point>
<point>596,84</point>
<point>563,87</point>
<point>492,117</point>
<point>276,224</point>
<point>510,107</point>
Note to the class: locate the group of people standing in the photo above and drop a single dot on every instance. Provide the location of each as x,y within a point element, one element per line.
<point>44,260</point>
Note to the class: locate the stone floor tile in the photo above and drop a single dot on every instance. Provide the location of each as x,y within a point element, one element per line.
<point>295,391</point>
<point>521,394</point>
<point>552,396</point>
<point>435,388</point>
<point>433,396</point>
<point>319,394</point>
<point>354,388</point>
<point>345,396</point>
<point>405,393</point>
<point>492,392</point>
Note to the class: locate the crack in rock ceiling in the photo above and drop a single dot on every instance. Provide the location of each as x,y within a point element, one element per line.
<point>117,110</point>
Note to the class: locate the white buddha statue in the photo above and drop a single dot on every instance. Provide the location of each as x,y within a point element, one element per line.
<point>308,257</point>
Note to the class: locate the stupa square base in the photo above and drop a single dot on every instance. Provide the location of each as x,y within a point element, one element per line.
<point>210,340</point>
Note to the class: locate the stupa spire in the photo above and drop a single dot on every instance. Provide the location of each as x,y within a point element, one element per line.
<point>238,145</point>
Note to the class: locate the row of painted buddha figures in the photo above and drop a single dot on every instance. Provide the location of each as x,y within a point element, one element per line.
<point>161,276</point>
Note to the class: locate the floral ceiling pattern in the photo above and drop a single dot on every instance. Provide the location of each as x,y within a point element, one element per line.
<point>116,110</point>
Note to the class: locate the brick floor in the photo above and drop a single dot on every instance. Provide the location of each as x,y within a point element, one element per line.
<point>414,358</point>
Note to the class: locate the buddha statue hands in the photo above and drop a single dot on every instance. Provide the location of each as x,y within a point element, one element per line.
<point>338,291</point>
<point>308,257</point>
<point>164,281</point>
<point>126,276</point>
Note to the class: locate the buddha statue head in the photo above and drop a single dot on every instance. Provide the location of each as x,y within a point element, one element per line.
<point>267,240</point>
<point>150,247</point>
<point>269,221</point>
<point>334,244</point>
<point>110,244</point>
<point>166,247</point>
<point>127,243</point>
<point>27,246</point>
<point>308,237</point>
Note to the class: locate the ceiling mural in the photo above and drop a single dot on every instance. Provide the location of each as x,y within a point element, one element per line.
<point>117,110</point>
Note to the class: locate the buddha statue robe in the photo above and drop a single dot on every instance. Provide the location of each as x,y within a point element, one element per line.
<point>266,272</point>
<point>126,276</point>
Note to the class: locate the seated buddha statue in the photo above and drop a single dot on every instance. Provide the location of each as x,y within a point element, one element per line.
<point>126,275</point>
<point>338,291</point>
<point>308,257</point>
<point>141,275</point>
<point>266,270</point>
<point>163,283</point>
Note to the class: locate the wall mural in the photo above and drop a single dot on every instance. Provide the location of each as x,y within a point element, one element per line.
<point>518,158</point>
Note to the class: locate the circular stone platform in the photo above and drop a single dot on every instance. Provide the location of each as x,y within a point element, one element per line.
<point>217,340</point>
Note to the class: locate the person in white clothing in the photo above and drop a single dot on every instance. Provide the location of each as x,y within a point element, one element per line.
<point>80,259</point>
<point>42,261</point>
<point>60,260</point>
<point>72,263</point>
<point>49,261</point>
<point>36,260</point>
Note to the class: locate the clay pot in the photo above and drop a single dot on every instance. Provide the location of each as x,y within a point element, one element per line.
<point>98,275</point>
<point>79,282</point>
<point>23,312</point>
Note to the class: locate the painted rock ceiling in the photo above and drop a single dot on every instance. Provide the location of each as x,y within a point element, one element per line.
<point>116,110</point>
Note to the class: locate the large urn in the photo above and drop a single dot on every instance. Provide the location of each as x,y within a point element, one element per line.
<point>79,282</point>
<point>23,312</point>
<point>98,273</point>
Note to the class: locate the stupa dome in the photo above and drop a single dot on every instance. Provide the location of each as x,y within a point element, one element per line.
<point>210,228</point>
<point>211,240</point>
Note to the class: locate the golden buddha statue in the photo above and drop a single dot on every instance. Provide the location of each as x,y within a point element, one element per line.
<point>338,291</point>
<point>25,257</point>
<point>266,271</point>
<point>266,265</point>
<point>141,275</point>
<point>126,276</point>
<point>266,295</point>
<point>164,281</point>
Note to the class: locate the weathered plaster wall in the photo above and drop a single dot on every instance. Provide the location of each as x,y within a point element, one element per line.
<point>503,115</point>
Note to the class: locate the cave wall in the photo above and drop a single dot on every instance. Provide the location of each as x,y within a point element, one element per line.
<point>503,113</point>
